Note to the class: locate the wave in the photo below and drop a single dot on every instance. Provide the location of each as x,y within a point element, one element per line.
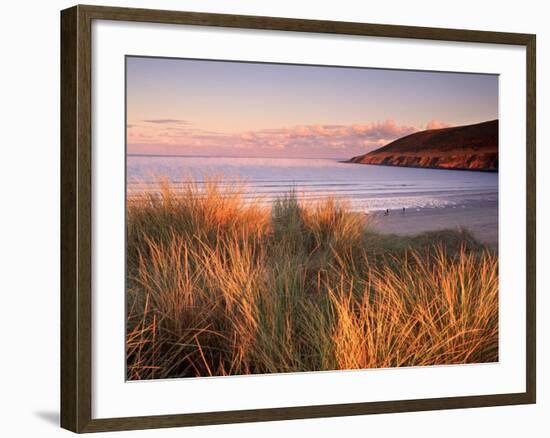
<point>366,187</point>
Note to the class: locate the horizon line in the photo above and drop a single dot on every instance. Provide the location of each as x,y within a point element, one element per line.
<point>230,156</point>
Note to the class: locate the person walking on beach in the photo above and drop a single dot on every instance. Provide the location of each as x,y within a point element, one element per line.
<point>387,212</point>
<point>403,210</point>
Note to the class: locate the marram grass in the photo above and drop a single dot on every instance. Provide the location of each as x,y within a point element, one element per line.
<point>219,286</point>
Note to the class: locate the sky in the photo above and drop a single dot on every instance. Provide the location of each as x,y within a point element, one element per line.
<point>221,108</point>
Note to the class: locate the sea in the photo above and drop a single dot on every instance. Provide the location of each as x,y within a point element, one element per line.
<point>366,187</point>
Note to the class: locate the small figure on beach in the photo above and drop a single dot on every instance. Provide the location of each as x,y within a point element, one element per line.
<point>387,212</point>
<point>403,210</point>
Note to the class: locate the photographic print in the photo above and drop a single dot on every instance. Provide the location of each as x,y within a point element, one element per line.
<point>286,218</point>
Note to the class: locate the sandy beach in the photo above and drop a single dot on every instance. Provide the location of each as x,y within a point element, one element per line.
<point>481,218</point>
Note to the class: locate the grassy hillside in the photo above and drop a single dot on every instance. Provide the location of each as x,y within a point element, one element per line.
<point>471,147</point>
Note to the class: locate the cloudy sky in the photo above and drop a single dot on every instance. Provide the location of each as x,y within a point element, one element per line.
<point>190,107</point>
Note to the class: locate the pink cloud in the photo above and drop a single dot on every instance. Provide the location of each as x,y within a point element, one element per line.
<point>301,140</point>
<point>388,129</point>
<point>436,124</point>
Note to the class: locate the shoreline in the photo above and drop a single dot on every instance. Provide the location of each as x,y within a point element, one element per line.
<point>463,169</point>
<point>481,219</point>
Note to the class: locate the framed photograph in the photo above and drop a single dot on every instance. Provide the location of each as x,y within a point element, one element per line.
<point>269,218</point>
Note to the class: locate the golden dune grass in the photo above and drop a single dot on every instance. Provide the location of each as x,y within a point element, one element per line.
<point>218,286</point>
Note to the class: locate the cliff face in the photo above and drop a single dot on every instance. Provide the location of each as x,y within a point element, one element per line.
<point>470,147</point>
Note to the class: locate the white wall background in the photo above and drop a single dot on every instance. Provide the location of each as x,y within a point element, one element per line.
<point>29,215</point>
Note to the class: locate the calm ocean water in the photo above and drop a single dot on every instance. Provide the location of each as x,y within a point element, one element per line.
<point>368,188</point>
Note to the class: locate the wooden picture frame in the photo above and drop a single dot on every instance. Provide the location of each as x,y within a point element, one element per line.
<point>76,217</point>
